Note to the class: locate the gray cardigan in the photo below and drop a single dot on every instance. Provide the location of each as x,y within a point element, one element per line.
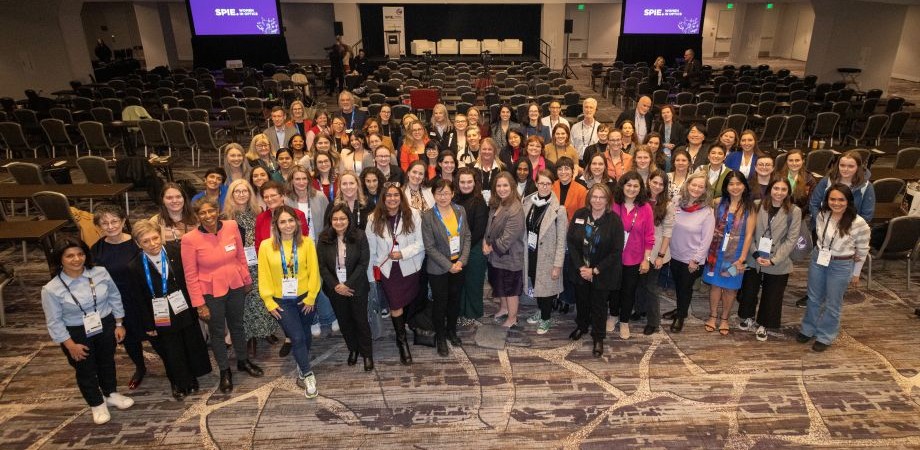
<point>550,246</point>
<point>505,233</point>
<point>318,205</point>
<point>437,243</point>
<point>785,231</point>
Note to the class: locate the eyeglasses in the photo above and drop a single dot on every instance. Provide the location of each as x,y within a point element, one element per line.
<point>390,184</point>
<point>544,183</point>
<point>240,191</point>
<point>109,224</point>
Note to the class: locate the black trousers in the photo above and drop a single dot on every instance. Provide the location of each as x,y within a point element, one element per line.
<point>647,300</point>
<point>683,284</point>
<point>445,291</point>
<point>591,309</point>
<point>184,354</point>
<point>351,313</point>
<point>546,306</point>
<point>770,289</point>
<point>622,301</point>
<point>96,373</point>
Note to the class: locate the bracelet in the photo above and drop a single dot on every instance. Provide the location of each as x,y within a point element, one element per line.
<point>661,255</point>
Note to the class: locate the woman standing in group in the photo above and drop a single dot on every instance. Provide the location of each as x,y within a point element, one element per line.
<point>343,259</point>
<point>643,162</point>
<point>352,196</point>
<point>285,158</point>
<point>680,160</point>
<point>618,161</point>
<point>487,167</point>
<point>673,134</point>
<point>769,265</point>
<point>391,172</point>
<point>322,143</point>
<point>394,234</point>
<point>716,172</point>
<point>647,300</point>
<point>83,313</point>
<point>441,130</point>
<point>446,234</point>
<point>371,182</point>
<point>175,217</point>
<point>324,176</point>
<point>595,242</point>
<point>694,224</point>
<point>288,284</point>
<point>470,197</point>
<point>356,156</point>
<point>320,126</point>
<point>241,207</point>
<point>458,143</point>
<point>413,147</point>
<point>736,219</point>
<point>447,167</point>
<point>603,133</point>
<point>763,177</point>
<point>235,165</point>
<point>534,126</point>
<point>468,155</point>
<point>837,259</point>
<point>744,161</point>
<point>572,196</point>
<point>546,224</point>
<point>661,156</point>
<point>561,145</point>
<point>475,119</point>
<point>158,284</point>
<point>628,132</point>
<point>537,160</point>
<point>113,252</point>
<point>596,172</point>
<point>802,181</point>
<point>258,177</point>
<point>630,203</point>
<point>696,146</point>
<point>372,128</point>
<point>503,246</point>
<point>514,149</point>
<point>431,159</point>
<point>260,154</point>
<point>304,197</point>
<point>502,124</point>
<point>217,278</point>
<point>339,135</point>
<point>420,199</point>
<point>298,147</point>
<point>299,119</point>
<point>524,184</point>
<point>388,127</point>
<point>728,139</point>
<point>848,171</point>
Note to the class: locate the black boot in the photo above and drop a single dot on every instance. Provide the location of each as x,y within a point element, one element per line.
<point>399,324</point>
<point>678,325</point>
<point>226,381</point>
<point>453,338</point>
<point>442,345</point>
<point>352,358</point>
<point>250,368</point>
<point>368,363</point>
<point>598,347</point>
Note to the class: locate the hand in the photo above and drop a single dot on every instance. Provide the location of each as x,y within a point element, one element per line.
<point>693,266</point>
<point>739,264</point>
<point>658,263</point>
<point>764,262</point>
<point>587,273</point>
<point>854,282</point>
<point>486,248</point>
<point>78,352</point>
<point>644,266</point>
<point>204,313</point>
<point>669,146</point>
<point>456,268</point>
<point>396,255</point>
<point>307,309</point>
<point>119,334</point>
<point>555,273</point>
<point>344,290</point>
<point>276,313</point>
<point>152,333</point>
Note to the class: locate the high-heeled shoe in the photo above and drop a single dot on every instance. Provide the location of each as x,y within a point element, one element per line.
<point>399,324</point>
<point>724,327</point>
<point>710,324</point>
<point>137,378</point>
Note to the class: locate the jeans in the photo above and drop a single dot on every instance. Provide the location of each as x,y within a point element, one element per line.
<point>296,326</point>
<point>683,284</point>
<point>325,315</point>
<point>826,286</point>
<point>227,310</point>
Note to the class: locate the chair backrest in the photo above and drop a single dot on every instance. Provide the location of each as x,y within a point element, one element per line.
<point>56,132</point>
<point>152,132</point>
<point>887,190</point>
<point>875,125</point>
<point>175,134</point>
<point>62,114</point>
<point>12,135</point>
<point>772,128</point>
<point>825,123</point>
<point>102,114</point>
<point>95,169</point>
<point>798,107</point>
<point>714,125</point>
<point>26,173</point>
<point>198,115</point>
<point>53,205</point>
<point>94,135</point>
<point>793,127</point>
<point>907,158</point>
<point>684,98</point>
<point>400,110</point>
<point>180,114</point>
<point>736,121</point>
<point>901,237</point>
<point>201,133</point>
<point>896,123</point>
<point>819,160</point>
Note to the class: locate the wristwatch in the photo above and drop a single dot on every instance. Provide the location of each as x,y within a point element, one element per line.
<point>660,255</point>
<point>595,271</point>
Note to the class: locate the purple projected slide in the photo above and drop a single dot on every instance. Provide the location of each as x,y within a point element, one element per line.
<point>663,16</point>
<point>223,17</point>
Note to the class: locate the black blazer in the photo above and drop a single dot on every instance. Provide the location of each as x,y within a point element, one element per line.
<point>630,114</point>
<point>357,217</point>
<point>477,214</point>
<point>608,255</point>
<point>678,133</point>
<point>396,176</point>
<point>354,121</point>
<point>175,281</point>
<point>653,78</point>
<point>445,141</point>
<point>357,257</point>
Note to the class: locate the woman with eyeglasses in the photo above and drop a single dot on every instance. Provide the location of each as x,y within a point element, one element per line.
<point>503,246</point>
<point>260,154</point>
<point>696,146</point>
<point>618,161</point>
<point>414,142</point>
<point>383,161</point>
<point>595,242</point>
<point>339,135</point>
<point>289,281</point>
<point>389,127</point>
<point>324,175</point>
<point>158,283</point>
<point>763,177</point>
<point>394,233</point>
<point>84,314</point>
<point>546,224</point>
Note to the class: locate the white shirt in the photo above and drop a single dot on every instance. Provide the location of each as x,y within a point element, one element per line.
<point>584,135</point>
<point>547,122</point>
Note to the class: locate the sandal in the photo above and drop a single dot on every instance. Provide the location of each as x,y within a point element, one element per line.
<point>724,327</point>
<point>710,324</point>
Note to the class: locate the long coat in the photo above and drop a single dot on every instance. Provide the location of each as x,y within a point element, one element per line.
<point>550,246</point>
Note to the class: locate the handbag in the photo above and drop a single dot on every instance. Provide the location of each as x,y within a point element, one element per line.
<point>804,244</point>
<point>378,275</point>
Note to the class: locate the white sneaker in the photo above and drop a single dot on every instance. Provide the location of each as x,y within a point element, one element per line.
<point>335,326</point>
<point>316,330</point>
<point>746,324</point>
<point>309,382</point>
<point>624,330</point>
<point>534,318</point>
<point>611,323</point>
<point>761,333</point>
<point>119,401</point>
<point>101,414</point>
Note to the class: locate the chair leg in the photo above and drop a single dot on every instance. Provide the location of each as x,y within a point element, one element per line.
<point>908,272</point>
<point>869,284</point>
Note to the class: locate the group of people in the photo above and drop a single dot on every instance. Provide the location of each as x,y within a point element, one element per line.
<point>321,217</point>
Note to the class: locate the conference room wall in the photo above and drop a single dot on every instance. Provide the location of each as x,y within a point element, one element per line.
<point>119,19</point>
<point>907,61</point>
<point>603,28</point>
<point>794,25</point>
<point>182,30</point>
<point>308,29</point>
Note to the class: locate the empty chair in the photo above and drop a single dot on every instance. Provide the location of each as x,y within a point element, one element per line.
<point>907,158</point>
<point>773,126</point>
<point>704,109</point>
<point>736,121</point>
<point>198,115</point>
<point>518,99</point>
<point>684,98</point>
<point>62,114</point>
<point>799,107</point>
<point>238,122</point>
<point>180,114</point>
<point>900,242</point>
<point>571,98</point>
<point>114,104</point>
<point>15,140</point>
<point>887,190</point>
<point>57,136</point>
<point>95,169</point>
<point>792,129</point>
<point>745,97</point>
<point>468,97</point>
<point>872,131</point>
<point>204,102</point>
<point>895,127</point>
<point>103,114</point>
<point>204,140</point>
<point>825,124</point>
<point>26,173</point>
<point>373,109</point>
<point>95,139</point>
<point>819,160</point>
<point>714,125</point>
<point>687,112</point>
<point>400,110</point>
<point>739,108</point>
<point>894,105</point>
<point>178,138</point>
<point>226,102</point>
<point>152,132</point>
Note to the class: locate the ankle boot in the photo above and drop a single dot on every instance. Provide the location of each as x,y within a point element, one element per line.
<point>441,343</point>
<point>399,324</point>
<point>226,381</point>
<point>598,347</point>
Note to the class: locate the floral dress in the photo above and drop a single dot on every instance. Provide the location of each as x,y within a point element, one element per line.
<point>257,322</point>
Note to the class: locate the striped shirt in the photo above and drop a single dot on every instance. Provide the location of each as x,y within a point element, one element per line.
<point>856,242</point>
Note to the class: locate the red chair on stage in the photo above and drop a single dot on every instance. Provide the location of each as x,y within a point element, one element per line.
<point>423,100</point>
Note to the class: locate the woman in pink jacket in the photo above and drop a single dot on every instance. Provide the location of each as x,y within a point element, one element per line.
<point>217,278</point>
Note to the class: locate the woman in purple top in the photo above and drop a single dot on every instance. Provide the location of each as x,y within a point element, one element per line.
<point>694,224</point>
<point>630,203</point>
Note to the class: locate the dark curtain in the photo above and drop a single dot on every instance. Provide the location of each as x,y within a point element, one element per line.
<point>214,51</point>
<point>633,48</point>
<point>436,22</point>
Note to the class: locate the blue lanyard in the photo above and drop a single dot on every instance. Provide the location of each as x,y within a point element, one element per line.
<point>163,270</point>
<point>331,189</point>
<point>459,221</point>
<point>284,260</point>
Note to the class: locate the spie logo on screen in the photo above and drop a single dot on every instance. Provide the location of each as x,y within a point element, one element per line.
<point>662,12</point>
<point>235,12</point>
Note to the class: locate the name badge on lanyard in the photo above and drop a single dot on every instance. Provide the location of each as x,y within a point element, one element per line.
<point>177,301</point>
<point>289,284</point>
<point>625,238</point>
<point>161,312</point>
<point>824,257</point>
<point>532,240</point>
<point>454,246</point>
<point>765,247</point>
<point>251,257</point>
<point>341,274</point>
<point>92,324</point>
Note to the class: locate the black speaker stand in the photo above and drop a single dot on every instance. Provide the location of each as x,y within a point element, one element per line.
<point>566,68</point>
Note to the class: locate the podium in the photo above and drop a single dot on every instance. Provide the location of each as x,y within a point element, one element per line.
<point>394,50</point>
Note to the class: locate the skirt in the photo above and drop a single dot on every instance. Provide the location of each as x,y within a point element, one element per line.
<point>257,322</point>
<point>400,290</point>
<point>506,283</point>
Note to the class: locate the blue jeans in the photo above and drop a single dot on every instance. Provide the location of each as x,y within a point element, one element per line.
<point>324,313</point>
<point>826,286</point>
<point>296,326</point>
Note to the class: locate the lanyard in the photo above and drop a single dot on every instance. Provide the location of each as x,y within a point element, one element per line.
<point>584,141</point>
<point>284,266</point>
<point>824,233</point>
<point>395,227</point>
<point>770,218</point>
<point>351,120</point>
<point>92,288</point>
<point>163,266</point>
<point>459,221</point>
<point>635,214</point>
